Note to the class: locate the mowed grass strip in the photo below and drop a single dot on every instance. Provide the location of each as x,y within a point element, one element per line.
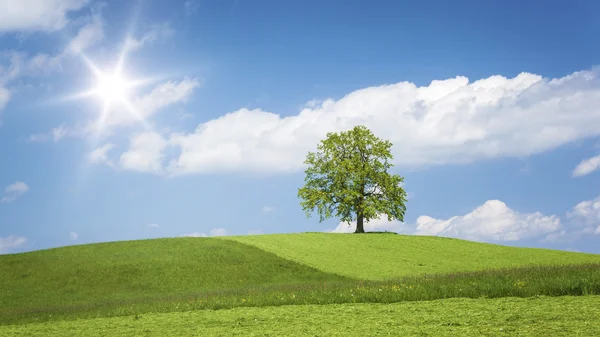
<point>386,256</point>
<point>89,275</point>
<point>542,316</point>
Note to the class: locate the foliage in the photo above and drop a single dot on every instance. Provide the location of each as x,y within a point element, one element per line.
<point>348,177</point>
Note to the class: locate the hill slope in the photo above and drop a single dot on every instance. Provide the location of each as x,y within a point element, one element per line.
<point>383,256</point>
<point>133,270</point>
<point>180,274</point>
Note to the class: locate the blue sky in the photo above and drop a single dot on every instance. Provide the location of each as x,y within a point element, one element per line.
<point>492,107</point>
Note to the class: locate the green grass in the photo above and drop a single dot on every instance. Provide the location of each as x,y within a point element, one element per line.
<point>378,257</point>
<point>111,274</point>
<point>543,316</point>
<point>227,274</point>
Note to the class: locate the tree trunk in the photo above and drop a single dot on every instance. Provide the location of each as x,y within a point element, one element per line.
<point>359,224</point>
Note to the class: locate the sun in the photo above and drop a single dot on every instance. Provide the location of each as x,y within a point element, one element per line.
<point>115,92</point>
<point>112,88</point>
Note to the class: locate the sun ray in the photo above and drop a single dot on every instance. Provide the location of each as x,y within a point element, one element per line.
<point>134,112</point>
<point>114,89</point>
<point>91,65</point>
<point>122,56</point>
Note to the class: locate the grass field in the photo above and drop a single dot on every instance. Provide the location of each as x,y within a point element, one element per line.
<point>88,277</point>
<point>177,275</point>
<point>383,256</point>
<point>541,316</point>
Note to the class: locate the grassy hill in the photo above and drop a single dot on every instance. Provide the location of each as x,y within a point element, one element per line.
<point>183,274</point>
<point>121,272</point>
<point>384,256</point>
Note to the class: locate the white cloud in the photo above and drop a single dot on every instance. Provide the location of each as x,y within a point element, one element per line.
<point>18,187</point>
<point>36,15</point>
<point>268,209</point>
<point>20,64</point>
<point>146,106</point>
<point>584,219</point>
<point>4,97</point>
<point>212,232</point>
<point>191,6</point>
<point>55,134</point>
<point>156,33</point>
<point>449,121</point>
<point>195,235</point>
<point>153,225</point>
<point>59,132</point>
<point>218,232</point>
<point>11,242</point>
<point>100,155</point>
<point>587,166</point>
<point>492,221</point>
<point>145,154</point>
<point>88,35</point>
<point>73,236</point>
<point>13,191</point>
<point>495,221</point>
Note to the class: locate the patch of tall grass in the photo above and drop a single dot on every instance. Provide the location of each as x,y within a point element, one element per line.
<point>531,281</point>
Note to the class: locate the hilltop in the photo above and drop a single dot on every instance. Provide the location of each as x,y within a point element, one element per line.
<point>384,256</point>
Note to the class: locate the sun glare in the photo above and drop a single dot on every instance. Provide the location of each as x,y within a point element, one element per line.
<point>114,91</point>
<point>112,88</point>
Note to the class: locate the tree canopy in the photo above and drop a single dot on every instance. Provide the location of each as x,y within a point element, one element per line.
<point>348,177</point>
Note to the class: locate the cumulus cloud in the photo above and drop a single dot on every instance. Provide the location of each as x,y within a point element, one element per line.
<point>268,209</point>
<point>218,232</point>
<point>195,235</point>
<point>587,166</point>
<point>36,15</point>
<point>145,153</point>
<point>448,121</point>
<point>153,225</point>
<point>100,155</point>
<point>73,236</point>
<point>212,232</point>
<point>492,221</point>
<point>11,242</point>
<point>13,191</point>
<point>584,219</point>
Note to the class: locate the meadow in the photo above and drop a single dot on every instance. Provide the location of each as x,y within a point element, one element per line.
<point>389,255</point>
<point>156,281</point>
<point>538,316</point>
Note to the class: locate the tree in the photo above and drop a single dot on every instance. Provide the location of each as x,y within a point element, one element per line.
<point>348,176</point>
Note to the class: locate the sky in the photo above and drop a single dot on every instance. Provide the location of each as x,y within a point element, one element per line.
<point>123,120</point>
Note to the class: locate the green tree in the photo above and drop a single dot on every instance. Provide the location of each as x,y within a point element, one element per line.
<point>348,177</point>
